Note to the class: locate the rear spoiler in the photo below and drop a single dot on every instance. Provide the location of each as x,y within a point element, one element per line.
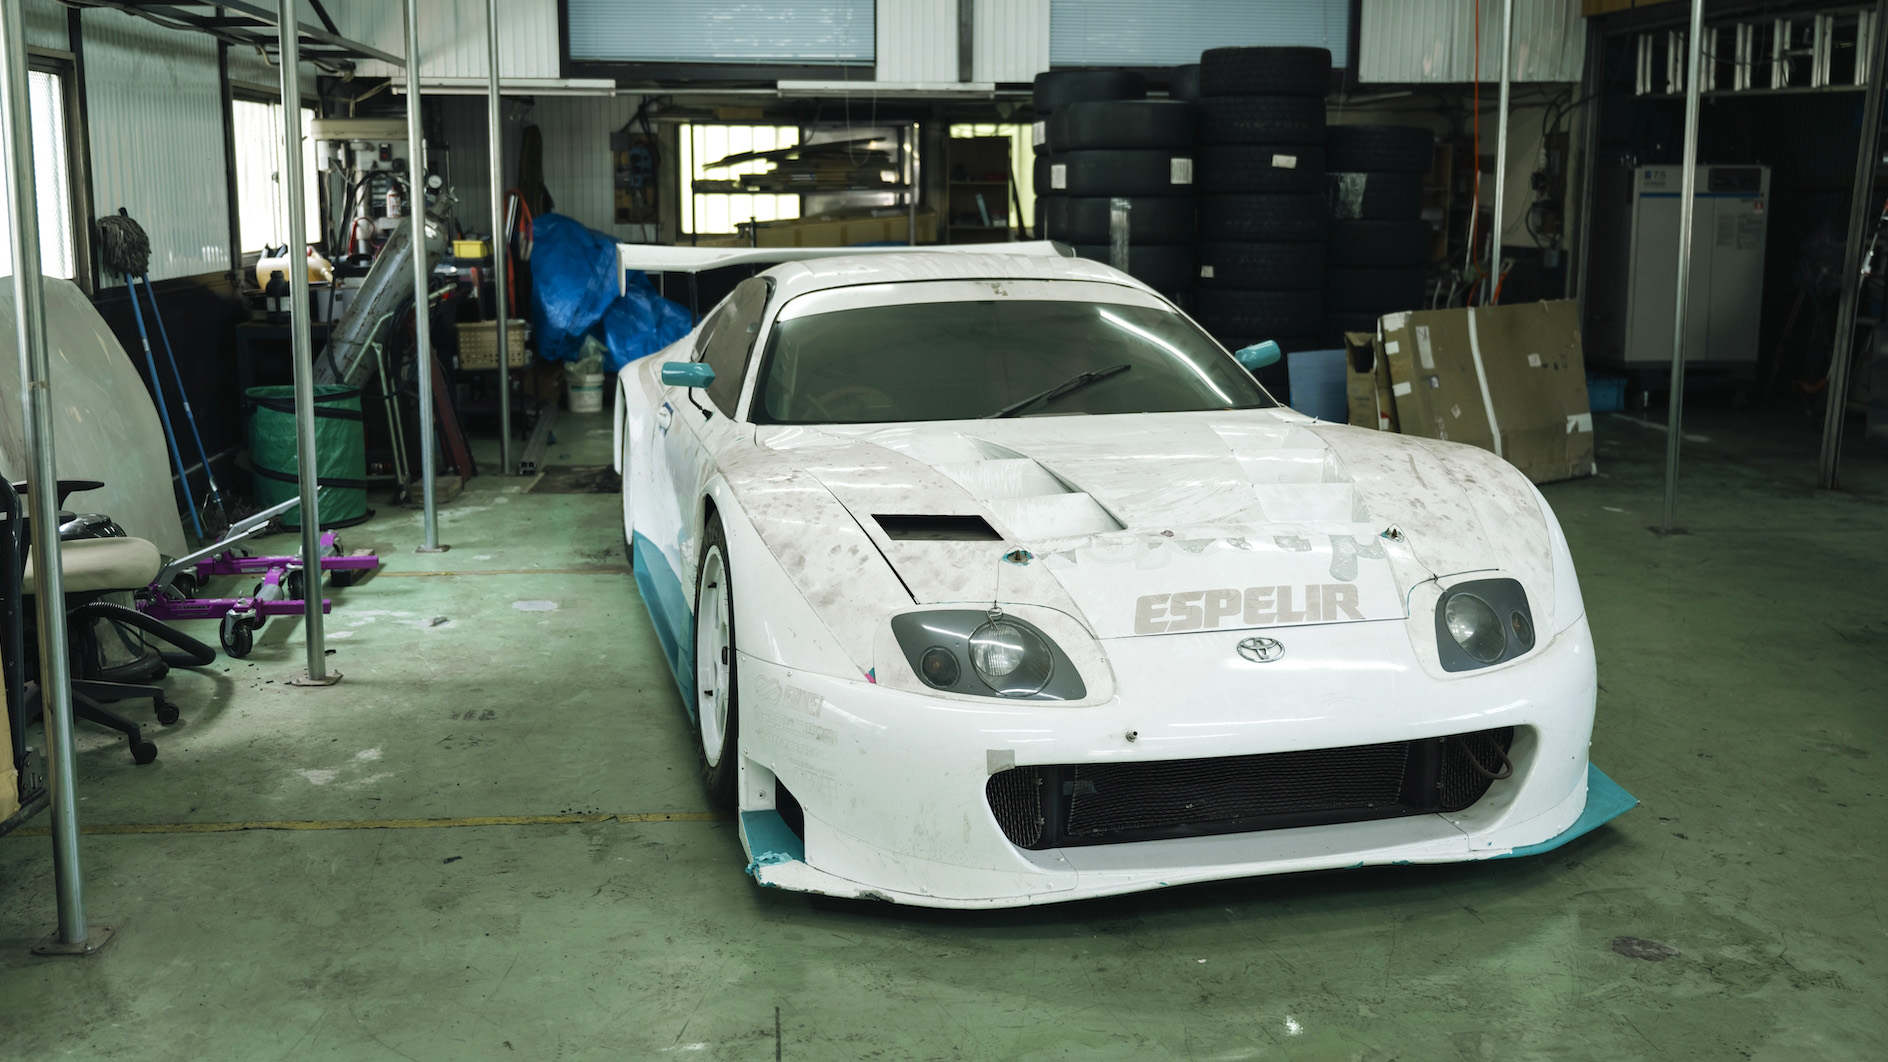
<point>655,258</point>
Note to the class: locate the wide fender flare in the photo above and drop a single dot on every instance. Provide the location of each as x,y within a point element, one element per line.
<point>772,619</point>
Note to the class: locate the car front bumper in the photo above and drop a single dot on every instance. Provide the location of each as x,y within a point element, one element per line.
<point>892,783</point>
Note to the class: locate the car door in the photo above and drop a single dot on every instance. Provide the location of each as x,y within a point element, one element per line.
<point>701,420</point>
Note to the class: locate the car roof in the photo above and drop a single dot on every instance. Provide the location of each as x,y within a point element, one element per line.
<point>792,279</point>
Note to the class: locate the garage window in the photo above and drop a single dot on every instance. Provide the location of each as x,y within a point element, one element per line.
<point>51,181</point>
<point>261,201</point>
<point>706,213</point>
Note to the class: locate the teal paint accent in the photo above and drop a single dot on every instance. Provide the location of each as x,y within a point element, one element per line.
<point>770,840</point>
<point>667,602</point>
<point>1259,355</point>
<point>1605,801</point>
<point>687,374</point>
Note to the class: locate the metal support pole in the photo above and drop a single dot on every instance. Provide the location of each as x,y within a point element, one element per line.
<point>55,678</point>
<point>422,314</point>
<point>1867,157</point>
<point>287,13</point>
<point>1119,213</point>
<point>1591,86</point>
<point>1501,154</point>
<point>496,157</point>
<point>1675,415</point>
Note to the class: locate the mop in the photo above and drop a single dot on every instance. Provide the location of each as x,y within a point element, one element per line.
<point>126,250</point>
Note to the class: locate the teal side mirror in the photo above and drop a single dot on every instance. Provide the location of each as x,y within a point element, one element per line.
<point>1255,357</point>
<point>691,374</point>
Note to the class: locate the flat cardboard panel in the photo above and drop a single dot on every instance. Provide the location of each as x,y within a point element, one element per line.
<point>1524,397</point>
<point>1367,383</point>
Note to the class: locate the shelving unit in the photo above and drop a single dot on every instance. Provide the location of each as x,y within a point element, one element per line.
<point>979,200</point>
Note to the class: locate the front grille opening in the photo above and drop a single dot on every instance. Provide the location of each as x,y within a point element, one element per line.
<point>1081,804</point>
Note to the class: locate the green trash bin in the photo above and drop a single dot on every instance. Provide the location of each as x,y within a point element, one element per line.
<point>340,452</point>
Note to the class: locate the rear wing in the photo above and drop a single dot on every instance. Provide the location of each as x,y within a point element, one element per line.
<point>655,258</point>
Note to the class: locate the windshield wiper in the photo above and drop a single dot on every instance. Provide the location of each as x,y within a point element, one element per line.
<point>1068,386</point>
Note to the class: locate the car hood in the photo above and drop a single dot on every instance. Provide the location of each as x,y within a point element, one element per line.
<point>1159,523</point>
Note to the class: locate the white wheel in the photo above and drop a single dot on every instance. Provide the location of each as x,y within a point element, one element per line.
<point>716,713</point>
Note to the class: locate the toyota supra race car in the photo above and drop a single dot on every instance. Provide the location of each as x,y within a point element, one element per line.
<point>990,579</point>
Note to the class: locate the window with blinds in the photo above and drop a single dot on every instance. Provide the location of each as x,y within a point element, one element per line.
<point>786,32</point>
<point>1137,33</point>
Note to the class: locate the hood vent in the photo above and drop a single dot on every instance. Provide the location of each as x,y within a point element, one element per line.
<point>937,528</point>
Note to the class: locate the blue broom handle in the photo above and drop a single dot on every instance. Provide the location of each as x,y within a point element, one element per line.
<point>163,412</point>
<point>183,396</point>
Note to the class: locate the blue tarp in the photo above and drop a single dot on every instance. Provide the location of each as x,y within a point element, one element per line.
<point>574,294</point>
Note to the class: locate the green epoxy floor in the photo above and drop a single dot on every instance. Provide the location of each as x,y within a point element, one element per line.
<point>1734,914</point>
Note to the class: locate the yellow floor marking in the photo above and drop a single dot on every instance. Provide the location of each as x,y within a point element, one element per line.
<point>507,571</point>
<point>387,824</point>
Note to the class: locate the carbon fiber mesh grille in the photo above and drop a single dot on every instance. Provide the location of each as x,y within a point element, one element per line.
<point>1016,801</point>
<point>1133,797</point>
<point>1461,784</point>
<point>1080,804</point>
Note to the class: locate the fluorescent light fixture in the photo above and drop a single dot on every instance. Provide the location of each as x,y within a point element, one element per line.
<point>512,86</point>
<point>917,90</point>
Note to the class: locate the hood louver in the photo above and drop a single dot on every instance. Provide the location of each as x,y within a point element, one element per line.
<point>937,528</point>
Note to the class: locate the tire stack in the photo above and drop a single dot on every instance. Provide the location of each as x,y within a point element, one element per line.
<point>1126,147</point>
<point>1056,90</point>
<point>1262,198</point>
<point>1378,245</point>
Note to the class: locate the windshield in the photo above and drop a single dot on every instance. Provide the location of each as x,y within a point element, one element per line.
<point>965,359</point>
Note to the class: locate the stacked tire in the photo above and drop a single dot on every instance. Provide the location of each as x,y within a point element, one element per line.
<point>1139,150</point>
<point>1262,197</point>
<point>1378,246</point>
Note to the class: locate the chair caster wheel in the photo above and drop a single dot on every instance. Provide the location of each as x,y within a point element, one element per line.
<point>143,752</point>
<point>296,585</point>
<point>168,713</point>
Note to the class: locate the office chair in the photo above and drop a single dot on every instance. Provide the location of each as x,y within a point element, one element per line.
<point>91,569</point>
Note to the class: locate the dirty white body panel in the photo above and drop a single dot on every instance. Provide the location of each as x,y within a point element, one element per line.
<point>1154,543</point>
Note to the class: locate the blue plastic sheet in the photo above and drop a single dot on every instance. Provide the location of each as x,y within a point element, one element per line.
<point>574,294</point>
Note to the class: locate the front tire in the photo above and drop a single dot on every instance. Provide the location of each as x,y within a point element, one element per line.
<point>717,715</point>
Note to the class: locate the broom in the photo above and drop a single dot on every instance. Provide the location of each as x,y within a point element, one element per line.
<point>126,250</point>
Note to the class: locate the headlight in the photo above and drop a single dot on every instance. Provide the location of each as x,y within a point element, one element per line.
<point>986,654</point>
<point>1010,660</point>
<point>1475,627</point>
<point>1483,622</point>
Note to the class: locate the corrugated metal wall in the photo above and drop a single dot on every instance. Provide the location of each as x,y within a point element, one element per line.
<point>464,126</point>
<point>452,35</point>
<point>1429,41</point>
<point>1012,39</point>
<point>157,138</point>
<point>46,25</point>
<point>917,40</point>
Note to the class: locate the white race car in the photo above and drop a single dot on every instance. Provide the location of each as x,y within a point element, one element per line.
<point>989,579</point>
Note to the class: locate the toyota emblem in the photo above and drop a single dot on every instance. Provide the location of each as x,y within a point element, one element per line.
<point>1261,650</point>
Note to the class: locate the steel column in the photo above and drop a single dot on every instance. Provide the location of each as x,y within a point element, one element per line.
<point>1590,87</point>
<point>422,315</point>
<point>29,303</point>
<point>496,133</point>
<point>1501,153</point>
<point>1675,411</point>
<point>305,452</point>
<point>1867,157</point>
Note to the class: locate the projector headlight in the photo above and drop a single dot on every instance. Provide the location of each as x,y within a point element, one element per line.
<point>986,654</point>
<point>1483,622</point>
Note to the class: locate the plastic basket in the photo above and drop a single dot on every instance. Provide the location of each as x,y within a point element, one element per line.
<point>478,344</point>
<point>1605,394</point>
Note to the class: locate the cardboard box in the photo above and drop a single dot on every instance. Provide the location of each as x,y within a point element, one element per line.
<point>1511,379</point>
<point>833,231</point>
<point>1367,383</point>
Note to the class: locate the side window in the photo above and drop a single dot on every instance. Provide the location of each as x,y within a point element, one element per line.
<point>727,343</point>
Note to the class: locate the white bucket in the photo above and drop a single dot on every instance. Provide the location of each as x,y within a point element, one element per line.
<point>585,393</point>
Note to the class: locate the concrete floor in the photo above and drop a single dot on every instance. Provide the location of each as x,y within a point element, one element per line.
<point>1733,914</point>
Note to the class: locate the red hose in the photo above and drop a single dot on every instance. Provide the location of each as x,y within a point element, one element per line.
<point>525,220</point>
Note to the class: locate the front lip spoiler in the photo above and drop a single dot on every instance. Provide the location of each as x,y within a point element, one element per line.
<point>1606,800</point>
<point>778,857</point>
